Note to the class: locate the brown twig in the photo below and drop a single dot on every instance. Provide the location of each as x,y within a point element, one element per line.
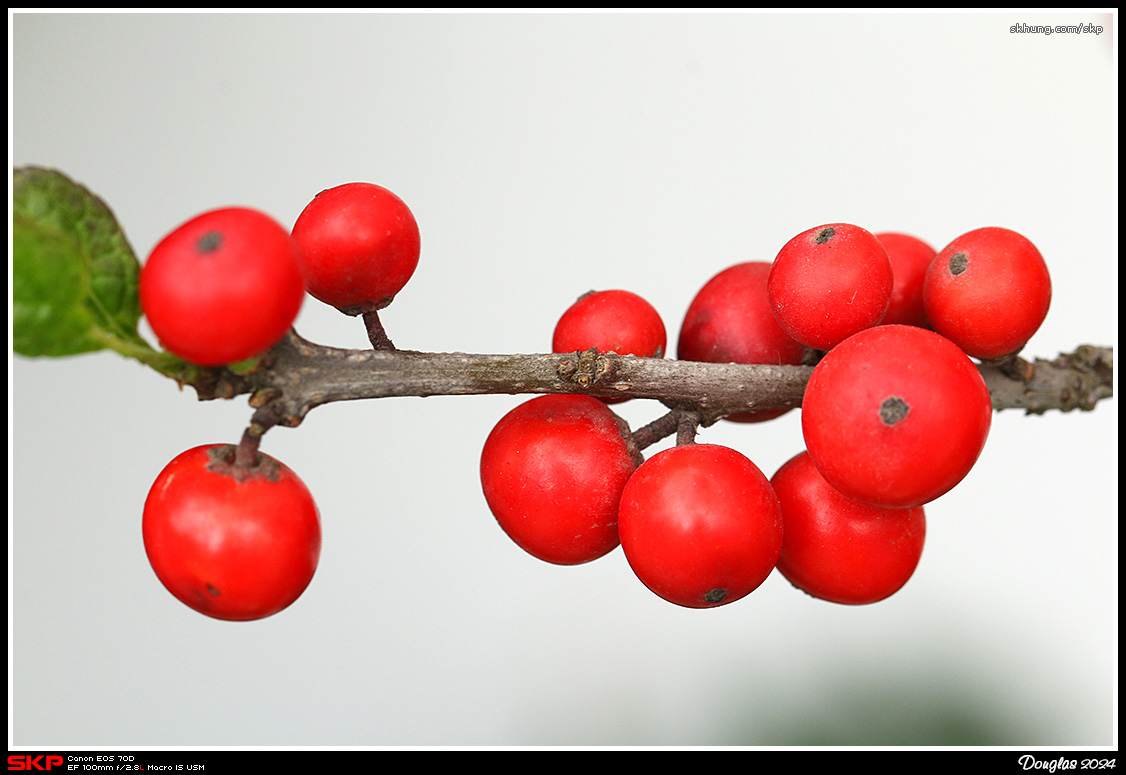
<point>1076,380</point>
<point>298,375</point>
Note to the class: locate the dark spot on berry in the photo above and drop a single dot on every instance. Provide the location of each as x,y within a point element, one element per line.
<point>716,595</point>
<point>958,263</point>
<point>824,235</point>
<point>212,591</point>
<point>893,410</point>
<point>209,242</point>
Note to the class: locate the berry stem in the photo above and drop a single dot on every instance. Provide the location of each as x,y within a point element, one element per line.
<point>266,416</point>
<point>663,427</point>
<point>686,424</point>
<point>246,453</point>
<point>376,333</point>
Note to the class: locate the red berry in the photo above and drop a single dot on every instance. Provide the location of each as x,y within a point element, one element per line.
<point>730,321</point>
<point>988,291</point>
<point>700,525</point>
<point>223,287</point>
<point>611,322</point>
<point>837,549</point>
<point>552,471</point>
<point>361,245</point>
<point>232,543</point>
<point>829,282</point>
<point>895,416</point>
<point>910,257</point>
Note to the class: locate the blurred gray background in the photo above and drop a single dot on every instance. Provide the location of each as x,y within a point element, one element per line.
<point>545,155</point>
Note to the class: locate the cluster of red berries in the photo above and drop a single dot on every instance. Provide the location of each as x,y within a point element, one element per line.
<point>894,415</point>
<point>237,540</point>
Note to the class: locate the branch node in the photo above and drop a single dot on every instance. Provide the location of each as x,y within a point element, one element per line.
<point>586,368</point>
<point>1016,368</point>
<point>263,396</point>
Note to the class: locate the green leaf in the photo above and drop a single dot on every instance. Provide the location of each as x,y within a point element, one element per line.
<point>74,274</point>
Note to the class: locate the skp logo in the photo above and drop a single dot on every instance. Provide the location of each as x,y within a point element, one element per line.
<point>42,762</point>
